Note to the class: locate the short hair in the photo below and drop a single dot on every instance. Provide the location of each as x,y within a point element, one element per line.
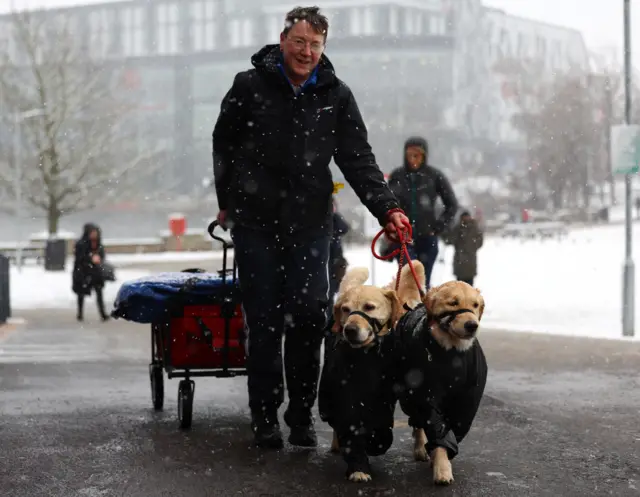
<point>312,15</point>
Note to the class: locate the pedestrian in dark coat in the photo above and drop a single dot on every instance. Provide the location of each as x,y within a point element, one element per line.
<point>466,238</point>
<point>87,269</point>
<point>417,185</point>
<point>279,126</point>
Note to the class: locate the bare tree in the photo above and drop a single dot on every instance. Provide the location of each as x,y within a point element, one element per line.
<point>81,148</point>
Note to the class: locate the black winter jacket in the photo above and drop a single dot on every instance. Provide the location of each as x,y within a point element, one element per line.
<point>417,191</point>
<point>440,390</point>
<point>272,149</point>
<point>86,275</point>
<point>356,398</point>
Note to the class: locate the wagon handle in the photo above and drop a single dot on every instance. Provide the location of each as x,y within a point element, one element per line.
<point>225,244</point>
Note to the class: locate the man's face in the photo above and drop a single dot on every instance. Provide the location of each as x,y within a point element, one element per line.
<point>302,48</point>
<point>415,157</point>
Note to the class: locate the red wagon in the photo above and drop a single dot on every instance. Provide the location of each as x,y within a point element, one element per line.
<point>199,340</point>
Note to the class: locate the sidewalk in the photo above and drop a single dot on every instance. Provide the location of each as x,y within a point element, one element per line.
<point>559,417</point>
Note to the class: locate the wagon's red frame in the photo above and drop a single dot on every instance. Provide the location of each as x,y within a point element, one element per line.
<point>199,340</point>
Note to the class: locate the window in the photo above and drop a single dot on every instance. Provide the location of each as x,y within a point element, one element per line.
<point>437,25</point>
<point>369,27</point>
<point>203,25</point>
<point>393,21</point>
<point>247,32</point>
<point>274,29</point>
<point>418,20</point>
<point>410,22</point>
<point>132,31</point>
<point>167,33</point>
<point>234,33</point>
<point>6,37</point>
<point>98,33</point>
<point>355,24</point>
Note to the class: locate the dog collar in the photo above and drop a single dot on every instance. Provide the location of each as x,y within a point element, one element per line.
<point>374,323</point>
<point>444,318</point>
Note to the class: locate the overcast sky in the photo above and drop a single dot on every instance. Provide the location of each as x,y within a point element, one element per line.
<point>599,20</point>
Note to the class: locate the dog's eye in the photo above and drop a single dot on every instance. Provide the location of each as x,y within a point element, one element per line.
<point>454,303</point>
<point>476,305</point>
<point>345,309</point>
<point>369,307</point>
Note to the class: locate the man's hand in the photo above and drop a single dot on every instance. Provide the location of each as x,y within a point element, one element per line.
<point>397,222</point>
<point>95,259</point>
<point>222,219</point>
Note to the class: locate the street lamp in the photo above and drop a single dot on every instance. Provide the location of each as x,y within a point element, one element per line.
<point>18,118</point>
<point>628,298</point>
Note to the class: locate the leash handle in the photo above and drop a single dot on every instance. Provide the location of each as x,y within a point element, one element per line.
<point>404,238</point>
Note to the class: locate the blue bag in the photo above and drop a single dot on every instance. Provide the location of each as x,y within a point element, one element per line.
<point>156,298</point>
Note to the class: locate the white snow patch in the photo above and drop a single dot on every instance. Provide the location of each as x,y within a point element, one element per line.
<point>35,288</point>
<point>567,287</point>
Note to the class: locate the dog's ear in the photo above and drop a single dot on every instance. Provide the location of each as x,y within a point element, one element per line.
<point>354,277</point>
<point>430,299</point>
<point>396,307</point>
<point>481,304</point>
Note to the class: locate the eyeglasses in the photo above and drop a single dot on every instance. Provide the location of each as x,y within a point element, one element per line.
<point>300,44</point>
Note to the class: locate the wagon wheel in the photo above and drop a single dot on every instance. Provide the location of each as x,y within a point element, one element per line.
<point>157,386</point>
<point>186,389</point>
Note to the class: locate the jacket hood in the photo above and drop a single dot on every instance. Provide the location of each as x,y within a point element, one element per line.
<point>269,57</point>
<point>88,228</point>
<point>414,141</point>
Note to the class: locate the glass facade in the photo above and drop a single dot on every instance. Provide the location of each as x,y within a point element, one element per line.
<point>167,32</point>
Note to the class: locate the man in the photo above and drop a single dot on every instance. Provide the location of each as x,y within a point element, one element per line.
<point>279,126</point>
<point>417,185</point>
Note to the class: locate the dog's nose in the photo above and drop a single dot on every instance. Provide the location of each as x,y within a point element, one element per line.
<point>351,331</point>
<point>471,327</point>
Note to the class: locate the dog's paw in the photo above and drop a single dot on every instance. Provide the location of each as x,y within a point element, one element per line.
<point>443,474</point>
<point>420,454</point>
<point>359,476</point>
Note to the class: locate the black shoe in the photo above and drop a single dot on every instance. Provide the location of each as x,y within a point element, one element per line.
<point>79,318</point>
<point>303,436</point>
<point>106,318</point>
<point>267,435</point>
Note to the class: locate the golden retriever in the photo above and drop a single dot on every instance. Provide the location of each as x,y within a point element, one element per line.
<point>356,394</point>
<point>444,372</point>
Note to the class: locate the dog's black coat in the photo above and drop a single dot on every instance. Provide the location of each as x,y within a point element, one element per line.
<point>356,399</point>
<point>440,390</point>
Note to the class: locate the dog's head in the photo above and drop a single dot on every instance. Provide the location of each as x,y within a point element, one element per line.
<point>455,309</point>
<point>362,312</point>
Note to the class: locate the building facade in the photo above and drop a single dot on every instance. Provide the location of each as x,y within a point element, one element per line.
<point>415,66</point>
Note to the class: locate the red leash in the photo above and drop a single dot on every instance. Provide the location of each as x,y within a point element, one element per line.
<point>405,238</point>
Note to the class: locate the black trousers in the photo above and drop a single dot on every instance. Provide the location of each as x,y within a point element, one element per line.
<point>284,292</point>
<point>466,280</point>
<point>99,301</point>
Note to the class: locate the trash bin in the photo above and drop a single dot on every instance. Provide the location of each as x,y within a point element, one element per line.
<point>5,295</point>
<point>55,255</point>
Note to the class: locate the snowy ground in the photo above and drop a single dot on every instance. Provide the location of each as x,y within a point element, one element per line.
<point>35,288</point>
<point>569,287</point>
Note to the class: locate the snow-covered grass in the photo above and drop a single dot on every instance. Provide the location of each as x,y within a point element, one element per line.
<point>569,287</point>
<point>35,288</point>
